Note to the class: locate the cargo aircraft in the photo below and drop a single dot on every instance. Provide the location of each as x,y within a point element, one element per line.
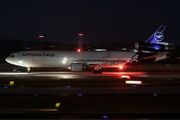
<point>81,60</point>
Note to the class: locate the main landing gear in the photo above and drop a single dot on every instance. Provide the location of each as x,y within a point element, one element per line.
<point>97,69</point>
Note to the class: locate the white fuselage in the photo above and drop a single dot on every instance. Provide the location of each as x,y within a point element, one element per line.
<point>65,58</point>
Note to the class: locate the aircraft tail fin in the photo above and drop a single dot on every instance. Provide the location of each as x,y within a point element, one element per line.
<point>158,35</point>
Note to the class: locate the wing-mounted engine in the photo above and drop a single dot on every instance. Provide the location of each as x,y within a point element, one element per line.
<point>78,67</point>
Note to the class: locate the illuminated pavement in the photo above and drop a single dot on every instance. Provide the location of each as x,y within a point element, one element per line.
<point>71,83</point>
<point>87,93</point>
<point>78,75</point>
<point>73,90</point>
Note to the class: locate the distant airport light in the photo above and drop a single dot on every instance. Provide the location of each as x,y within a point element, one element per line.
<point>63,62</point>
<point>128,61</point>
<point>28,48</point>
<point>133,82</point>
<point>105,117</point>
<point>79,50</point>
<point>65,59</point>
<point>79,94</point>
<point>125,77</point>
<point>41,36</point>
<point>57,104</point>
<point>80,34</point>
<point>11,83</point>
<point>155,95</point>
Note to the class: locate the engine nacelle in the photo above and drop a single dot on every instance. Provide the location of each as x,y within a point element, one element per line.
<point>151,47</point>
<point>78,67</point>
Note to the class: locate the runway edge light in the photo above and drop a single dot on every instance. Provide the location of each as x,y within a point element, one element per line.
<point>133,82</point>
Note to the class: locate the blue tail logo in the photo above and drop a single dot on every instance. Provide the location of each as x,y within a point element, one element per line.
<point>158,35</point>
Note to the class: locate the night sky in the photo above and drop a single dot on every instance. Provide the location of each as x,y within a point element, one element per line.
<point>101,21</point>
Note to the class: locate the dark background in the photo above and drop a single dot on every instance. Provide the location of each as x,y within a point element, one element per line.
<point>101,21</point>
<point>111,24</point>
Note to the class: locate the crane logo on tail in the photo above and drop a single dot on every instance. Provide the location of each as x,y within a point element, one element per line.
<point>158,36</point>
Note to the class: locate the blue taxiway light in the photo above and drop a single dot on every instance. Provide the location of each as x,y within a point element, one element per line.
<point>5,86</point>
<point>79,94</point>
<point>154,94</point>
<point>105,117</point>
<point>68,86</point>
<point>35,94</point>
<point>134,86</point>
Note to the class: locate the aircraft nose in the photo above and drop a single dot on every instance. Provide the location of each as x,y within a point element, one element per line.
<point>8,59</point>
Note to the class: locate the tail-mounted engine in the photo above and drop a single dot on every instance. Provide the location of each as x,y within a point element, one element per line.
<point>158,47</point>
<point>152,51</point>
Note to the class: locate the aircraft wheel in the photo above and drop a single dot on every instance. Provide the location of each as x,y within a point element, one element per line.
<point>100,71</point>
<point>95,71</point>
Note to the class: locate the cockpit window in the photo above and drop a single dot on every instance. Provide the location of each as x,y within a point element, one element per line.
<point>11,56</point>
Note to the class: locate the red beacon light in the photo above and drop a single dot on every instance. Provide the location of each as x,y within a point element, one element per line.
<point>78,50</point>
<point>80,34</point>
<point>41,36</point>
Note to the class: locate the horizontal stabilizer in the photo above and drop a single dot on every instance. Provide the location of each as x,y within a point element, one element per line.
<point>161,58</point>
<point>158,57</point>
